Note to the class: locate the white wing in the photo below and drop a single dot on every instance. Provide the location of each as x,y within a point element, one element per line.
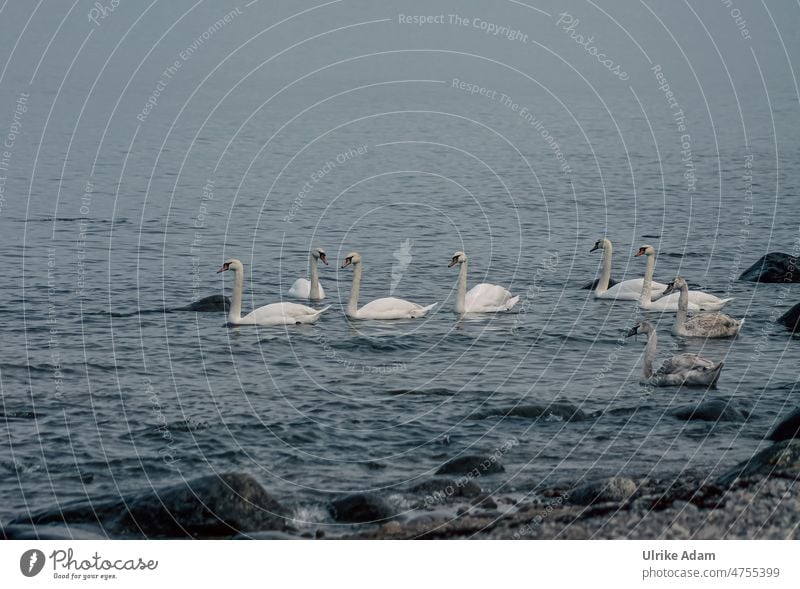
<point>631,290</point>
<point>281,314</point>
<point>301,289</point>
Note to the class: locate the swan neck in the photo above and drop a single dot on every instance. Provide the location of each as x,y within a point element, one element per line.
<point>647,284</point>
<point>683,305</point>
<point>461,293</point>
<point>313,272</point>
<point>235,312</point>
<point>605,275</point>
<point>650,354</point>
<point>352,304</point>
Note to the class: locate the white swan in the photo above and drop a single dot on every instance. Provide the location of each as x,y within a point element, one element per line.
<point>274,314</point>
<point>310,289</point>
<point>482,298</point>
<point>627,290</point>
<point>705,325</point>
<point>683,369</point>
<point>386,308</point>
<point>698,301</point>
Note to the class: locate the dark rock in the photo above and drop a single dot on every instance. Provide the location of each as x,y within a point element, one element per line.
<point>716,410</point>
<point>609,490</point>
<point>791,319</point>
<point>268,535</point>
<point>557,411</point>
<point>206,507</point>
<point>208,304</point>
<point>471,463</point>
<point>788,428</point>
<point>443,489</point>
<point>360,508</point>
<point>782,458</point>
<point>593,284</point>
<point>484,501</point>
<point>774,267</point>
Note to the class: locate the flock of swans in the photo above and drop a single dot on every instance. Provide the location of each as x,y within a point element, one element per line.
<point>675,297</point>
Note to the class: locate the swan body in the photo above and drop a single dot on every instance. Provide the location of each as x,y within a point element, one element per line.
<point>683,369</point>
<point>274,314</point>
<point>385,308</point>
<point>481,298</point>
<point>627,290</point>
<point>310,289</point>
<point>705,325</point>
<point>698,301</point>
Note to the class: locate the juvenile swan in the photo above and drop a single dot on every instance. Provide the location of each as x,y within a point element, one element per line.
<point>386,308</point>
<point>627,290</point>
<point>683,369</point>
<point>274,314</point>
<point>312,290</point>
<point>482,298</point>
<point>705,325</point>
<point>698,301</point>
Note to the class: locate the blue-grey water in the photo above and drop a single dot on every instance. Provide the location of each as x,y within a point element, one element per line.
<point>339,129</point>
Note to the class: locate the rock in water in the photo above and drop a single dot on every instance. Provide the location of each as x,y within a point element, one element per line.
<point>791,319</point>
<point>787,429</point>
<point>716,410</point>
<point>610,490</point>
<point>206,507</point>
<point>208,304</point>
<point>783,458</point>
<point>774,267</point>
<point>476,464</point>
<point>593,284</point>
<point>360,508</point>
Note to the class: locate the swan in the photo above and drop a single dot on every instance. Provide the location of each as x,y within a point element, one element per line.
<point>274,314</point>
<point>481,298</point>
<point>683,369</point>
<point>305,289</point>
<point>698,301</point>
<point>386,308</point>
<point>705,325</point>
<point>627,290</point>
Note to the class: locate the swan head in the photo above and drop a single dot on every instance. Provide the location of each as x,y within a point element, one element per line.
<point>351,258</point>
<point>643,327</point>
<point>601,244</point>
<point>675,285</point>
<point>645,250</point>
<point>458,258</point>
<point>319,254</point>
<point>231,264</point>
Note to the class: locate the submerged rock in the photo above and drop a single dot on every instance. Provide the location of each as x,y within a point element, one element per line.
<point>774,267</point>
<point>782,458</point>
<point>471,464</point>
<point>609,490</point>
<point>716,410</point>
<point>208,304</point>
<point>207,507</point>
<point>788,428</point>
<point>559,411</point>
<point>54,532</point>
<point>360,508</point>
<point>593,284</point>
<point>791,319</point>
